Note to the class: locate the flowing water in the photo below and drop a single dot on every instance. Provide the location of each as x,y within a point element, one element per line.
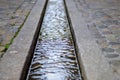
<point>54,56</point>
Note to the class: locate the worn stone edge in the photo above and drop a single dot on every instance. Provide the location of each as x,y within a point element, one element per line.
<point>93,64</point>
<point>12,63</point>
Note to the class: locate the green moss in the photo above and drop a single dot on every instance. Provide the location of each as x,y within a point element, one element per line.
<point>7,46</point>
<point>11,41</point>
<point>12,17</point>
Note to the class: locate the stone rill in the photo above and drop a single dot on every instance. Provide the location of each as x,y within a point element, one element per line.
<point>54,56</point>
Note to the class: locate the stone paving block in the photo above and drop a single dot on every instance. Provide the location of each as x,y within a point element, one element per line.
<point>13,13</point>
<point>13,61</point>
<point>101,19</point>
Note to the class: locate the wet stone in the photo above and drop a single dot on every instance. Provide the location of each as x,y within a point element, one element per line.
<point>71,57</point>
<point>54,56</point>
<point>35,64</point>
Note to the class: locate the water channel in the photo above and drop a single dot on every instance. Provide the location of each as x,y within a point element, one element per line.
<point>54,56</point>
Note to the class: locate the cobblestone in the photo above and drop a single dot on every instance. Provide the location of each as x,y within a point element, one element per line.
<point>103,43</point>
<point>118,50</point>
<point>102,26</point>
<point>108,49</point>
<point>12,16</point>
<point>112,55</point>
<point>114,43</point>
<point>111,38</point>
<point>103,19</point>
<point>116,62</point>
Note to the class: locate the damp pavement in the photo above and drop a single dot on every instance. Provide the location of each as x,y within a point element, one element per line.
<point>13,14</point>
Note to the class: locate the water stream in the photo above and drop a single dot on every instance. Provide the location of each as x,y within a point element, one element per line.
<point>54,56</point>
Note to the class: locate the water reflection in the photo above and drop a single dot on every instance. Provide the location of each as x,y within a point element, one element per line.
<point>54,56</point>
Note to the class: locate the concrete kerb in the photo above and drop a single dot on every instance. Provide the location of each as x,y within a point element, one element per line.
<point>12,63</point>
<point>94,65</point>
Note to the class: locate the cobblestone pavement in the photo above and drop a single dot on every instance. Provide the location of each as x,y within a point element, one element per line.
<point>13,14</point>
<point>103,21</point>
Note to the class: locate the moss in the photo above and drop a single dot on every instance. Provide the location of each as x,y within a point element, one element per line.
<point>11,41</point>
<point>12,17</point>
<point>7,46</point>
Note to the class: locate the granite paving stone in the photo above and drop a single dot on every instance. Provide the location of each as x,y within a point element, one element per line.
<point>112,55</point>
<point>103,19</point>
<point>13,14</point>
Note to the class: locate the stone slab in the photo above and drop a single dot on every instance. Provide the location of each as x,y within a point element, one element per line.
<point>13,14</point>
<point>12,63</point>
<point>94,64</point>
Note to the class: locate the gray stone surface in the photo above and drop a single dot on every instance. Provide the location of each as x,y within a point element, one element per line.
<point>91,39</point>
<point>13,14</point>
<point>12,63</point>
<point>104,12</point>
<point>96,24</point>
